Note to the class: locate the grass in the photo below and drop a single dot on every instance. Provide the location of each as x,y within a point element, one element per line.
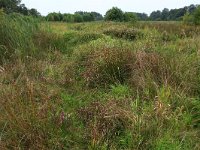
<point>99,85</point>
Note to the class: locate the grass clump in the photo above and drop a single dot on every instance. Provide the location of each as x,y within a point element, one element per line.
<point>106,123</point>
<point>107,66</point>
<point>124,33</point>
<point>16,36</point>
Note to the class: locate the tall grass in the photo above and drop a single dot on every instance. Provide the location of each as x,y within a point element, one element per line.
<point>86,88</point>
<point>16,36</point>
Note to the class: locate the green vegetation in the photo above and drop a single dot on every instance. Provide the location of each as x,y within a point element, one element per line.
<point>173,14</point>
<point>116,14</point>
<point>193,18</point>
<point>99,85</point>
<point>78,16</point>
<point>15,6</point>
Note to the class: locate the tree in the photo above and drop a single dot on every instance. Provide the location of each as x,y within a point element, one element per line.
<point>78,18</point>
<point>155,15</point>
<point>188,18</point>
<point>50,17</point>
<point>97,16</point>
<point>191,8</point>
<point>15,6</point>
<point>142,16</point>
<point>53,17</point>
<point>34,12</point>
<point>114,14</point>
<point>197,16</point>
<point>87,17</point>
<point>130,16</point>
<point>68,18</point>
<point>192,18</point>
<point>22,9</point>
<point>9,6</point>
<point>165,14</point>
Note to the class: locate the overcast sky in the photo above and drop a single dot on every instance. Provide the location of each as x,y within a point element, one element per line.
<point>101,6</point>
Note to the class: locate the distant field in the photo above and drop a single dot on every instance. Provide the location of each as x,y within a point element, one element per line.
<point>99,85</point>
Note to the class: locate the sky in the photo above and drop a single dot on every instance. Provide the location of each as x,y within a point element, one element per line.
<point>101,6</point>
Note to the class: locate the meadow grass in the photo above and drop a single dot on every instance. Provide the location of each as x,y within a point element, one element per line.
<point>99,85</point>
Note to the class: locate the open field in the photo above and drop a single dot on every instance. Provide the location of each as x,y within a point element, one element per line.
<point>99,85</point>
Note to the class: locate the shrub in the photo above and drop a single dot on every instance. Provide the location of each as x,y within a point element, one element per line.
<point>192,18</point>
<point>197,16</point>
<point>114,14</point>
<point>124,33</point>
<point>130,17</point>
<point>78,18</point>
<point>188,19</point>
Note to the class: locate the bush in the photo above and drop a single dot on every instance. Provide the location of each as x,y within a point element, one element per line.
<point>78,18</point>
<point>130,17</point>
<point>197,16</point>
<point>124,33</point>
<point>68,18</point>
<point>114,14</point>
<point>188,19</point>
<point>193,18</point>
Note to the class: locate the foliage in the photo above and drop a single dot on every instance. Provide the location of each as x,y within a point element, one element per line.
<point>97,16</point>
<point>16,36</point>
<point>192,18</point>
<point>130,17</point>
<point>114,14</point>
<point>15,6</point>
<point>197,16</point>
<point>188,19</point>
<point>142,16</point>
<point>78,16</point>
<point>54,17</point>
<point>173,14</point>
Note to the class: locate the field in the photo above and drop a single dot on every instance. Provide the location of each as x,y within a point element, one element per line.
<point>99,85</point>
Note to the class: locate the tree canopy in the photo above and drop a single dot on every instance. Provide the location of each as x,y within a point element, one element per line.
<point>15,6</point>
<point>114,14</point>
<point>173,14</point>
<point>79,16</point>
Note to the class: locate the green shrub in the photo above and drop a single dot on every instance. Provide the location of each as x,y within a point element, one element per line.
<point>197,16</point>
<point>124,33</point>
<point>188,19</point>
<point>114,14</point>
<point>130,17</point>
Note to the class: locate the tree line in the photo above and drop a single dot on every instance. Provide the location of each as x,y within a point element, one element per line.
<point>173,14</point>
<point>79,16</point>
<point>15,6</point>
<point>187,14</point>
